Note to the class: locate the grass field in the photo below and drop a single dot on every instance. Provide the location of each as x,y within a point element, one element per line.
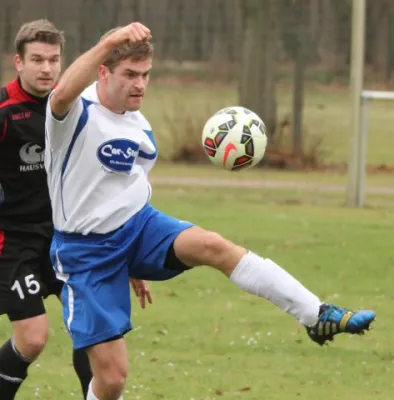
<point>204,339</point>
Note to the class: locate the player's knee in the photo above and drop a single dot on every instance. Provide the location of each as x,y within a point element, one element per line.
<point>32,340</point>
<point>214,246</point>
<point>37,343</point>
<point>115,382</point>
<point>110,367</point>
<point>220,253</point>
<point>113,378</point>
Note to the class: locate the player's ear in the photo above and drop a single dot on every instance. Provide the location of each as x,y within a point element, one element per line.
<point>18,62</point>
<point>103,73</point>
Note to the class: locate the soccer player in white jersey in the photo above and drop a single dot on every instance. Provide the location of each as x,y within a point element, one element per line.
<point>99,151</point>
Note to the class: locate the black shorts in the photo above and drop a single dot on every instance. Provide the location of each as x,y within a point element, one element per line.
<point>26,273</point>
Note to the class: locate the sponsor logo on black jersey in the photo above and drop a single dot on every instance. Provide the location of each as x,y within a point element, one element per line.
<point>32,156</point>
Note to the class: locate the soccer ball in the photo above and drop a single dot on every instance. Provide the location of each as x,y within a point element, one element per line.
<point>234,138</point>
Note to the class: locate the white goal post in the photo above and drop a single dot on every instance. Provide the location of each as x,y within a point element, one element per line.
<point>360,100</point>
<point>366,97</point>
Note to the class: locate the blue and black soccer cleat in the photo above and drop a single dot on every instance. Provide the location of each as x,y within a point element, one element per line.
<point>334,320</point>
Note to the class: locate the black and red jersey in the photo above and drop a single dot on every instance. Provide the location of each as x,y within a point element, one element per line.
<point>24,196</point>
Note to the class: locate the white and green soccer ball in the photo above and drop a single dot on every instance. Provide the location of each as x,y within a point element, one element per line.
<point>234,138</point>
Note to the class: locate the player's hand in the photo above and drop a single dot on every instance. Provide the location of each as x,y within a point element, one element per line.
<point>132,33</point>
<point>142,291</point>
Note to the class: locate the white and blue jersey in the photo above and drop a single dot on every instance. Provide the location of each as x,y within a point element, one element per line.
<point>97,164</point>
<point>105,230</point>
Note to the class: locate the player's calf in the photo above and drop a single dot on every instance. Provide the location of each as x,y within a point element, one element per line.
<point>252,273</point>
<point>82,368</point>
<point>30,333</point>
<point>18,353</point>
<point>13,370</point>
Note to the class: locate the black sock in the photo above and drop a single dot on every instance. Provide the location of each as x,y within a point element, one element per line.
<point>13,370</point>
<point>83,370</point>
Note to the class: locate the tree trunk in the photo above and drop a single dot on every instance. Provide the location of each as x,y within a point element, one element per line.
<point>257,89</point>
<point>160,28</point>
<point>380,15</point>
<point>300,62</point>
<point>207,22</point>
<point>328,41</point>
<point>314,28</point>
<point>71,19</point>
<point>238,28</point>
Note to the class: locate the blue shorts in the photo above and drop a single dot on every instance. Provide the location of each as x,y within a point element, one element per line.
<point>96,269</point>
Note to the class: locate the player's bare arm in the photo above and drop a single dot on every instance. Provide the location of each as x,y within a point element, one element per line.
<point>82,71</point>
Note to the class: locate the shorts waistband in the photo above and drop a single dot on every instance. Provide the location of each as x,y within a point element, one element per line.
<point>81,237</point>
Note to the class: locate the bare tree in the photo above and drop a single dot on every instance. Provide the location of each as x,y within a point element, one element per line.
<point>381,14</point>
<point>314,27</point>
<point>6,33</point>
<point>300,13</point>
<point>328,38</point>
<point>257,89</point>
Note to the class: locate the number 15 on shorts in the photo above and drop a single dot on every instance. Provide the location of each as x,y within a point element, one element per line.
<point>30,284</point>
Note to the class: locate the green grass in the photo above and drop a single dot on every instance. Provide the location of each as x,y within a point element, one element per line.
<point>205,339</point>
<point>326,114</point>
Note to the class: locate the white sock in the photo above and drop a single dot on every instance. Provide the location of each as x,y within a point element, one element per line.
<point>91,395</point>
<point>263,278</point>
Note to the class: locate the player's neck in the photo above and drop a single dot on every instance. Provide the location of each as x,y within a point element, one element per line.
<point>31,92</point>
<point>105,101</point>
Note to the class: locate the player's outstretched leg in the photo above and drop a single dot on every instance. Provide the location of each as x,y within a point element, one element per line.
<point>264,278</point>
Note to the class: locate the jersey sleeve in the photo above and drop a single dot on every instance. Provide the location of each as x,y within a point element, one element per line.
<point>148,148</point>
<point>61,130</point>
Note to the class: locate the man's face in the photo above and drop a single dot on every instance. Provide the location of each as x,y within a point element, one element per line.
<point>39,68</point>
<point>126,84</point>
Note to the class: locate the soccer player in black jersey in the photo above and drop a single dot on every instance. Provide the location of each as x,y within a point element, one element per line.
<point>26,273</point>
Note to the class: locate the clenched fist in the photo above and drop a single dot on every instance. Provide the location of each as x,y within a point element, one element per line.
<point>132,33</point>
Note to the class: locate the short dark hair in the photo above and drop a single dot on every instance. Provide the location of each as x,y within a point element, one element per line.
<point>40,30</point>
